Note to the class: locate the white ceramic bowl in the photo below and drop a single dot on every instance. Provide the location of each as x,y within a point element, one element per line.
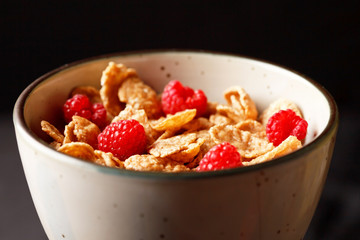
<point>76,199</point>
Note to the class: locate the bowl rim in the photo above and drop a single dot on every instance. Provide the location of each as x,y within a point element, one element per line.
<point>19,121</point>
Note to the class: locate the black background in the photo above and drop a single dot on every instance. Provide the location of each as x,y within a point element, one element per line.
<point>319,39</point>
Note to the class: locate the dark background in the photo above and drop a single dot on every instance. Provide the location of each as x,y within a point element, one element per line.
<point>319,39</point>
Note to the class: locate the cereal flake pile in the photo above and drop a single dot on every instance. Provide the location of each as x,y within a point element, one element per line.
<point>127,125</point>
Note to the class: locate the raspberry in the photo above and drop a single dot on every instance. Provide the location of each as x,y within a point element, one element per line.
<point>99,116</point>
<point>283,124</point>
<point>123,138</point>
<point>220,157</point>
<point>80,105</point>
<point>177,97</point>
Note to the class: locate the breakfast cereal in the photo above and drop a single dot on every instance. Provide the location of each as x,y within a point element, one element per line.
<point>174,142</point>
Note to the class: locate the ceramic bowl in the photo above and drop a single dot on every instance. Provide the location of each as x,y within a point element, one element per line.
<point>76,199</point>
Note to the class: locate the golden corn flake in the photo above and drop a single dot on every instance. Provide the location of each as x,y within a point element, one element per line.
<point>195,162</point>
<point>176,121</point>
<point>111,80</point>
<point>168,134</point>
<point>152,163</point>
<point>189,153</point>
<point>248,144</point>
<point>289,145</point>
<point>172,145</point>
<point>240,100</point>
<point>136,93</point>
<point>91,92</point>
<point>229,114</point>
<point>69,133</point>
<point>154,122</point>
<point>52,131</point>
<point>219,119</point>
<point>197,124</point>
<point>274,107</point>
<point>174,167</point>
<point>107,159</point>
<point>252,126</point>
<point>81,130</point>
<point>208,143</point>
<point>79,150</point>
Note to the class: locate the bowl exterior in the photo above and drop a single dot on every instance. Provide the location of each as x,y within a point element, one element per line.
<point>79,200</point>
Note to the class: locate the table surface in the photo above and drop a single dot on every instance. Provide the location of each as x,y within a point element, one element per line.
<point>337,216</point>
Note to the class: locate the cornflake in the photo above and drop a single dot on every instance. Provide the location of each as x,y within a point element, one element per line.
<point>175,143</point>
<point>197,124</point>
<point>91,92</point>
<point>81,130</point>
<point>287,146</point>
<point>79,150</point>
<point>140,96</point>
<point>168,146</point>
<point>219,119</point>
<point>107,159</point>
<point>241,102</point>
<point>152,163</point>
<point>209,142</point>
<point>189,153</point>
<point>176,121</point>
<point>249,145</point>
<point>111,80</point>
<point>52,131</point>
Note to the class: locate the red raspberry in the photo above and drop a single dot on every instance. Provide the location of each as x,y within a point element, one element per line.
<point>283,124</point>
<point>80,105</point>
<point>123,138</point>
<point>220,157</point>
<point>177,97</point>
<point>99,115</point>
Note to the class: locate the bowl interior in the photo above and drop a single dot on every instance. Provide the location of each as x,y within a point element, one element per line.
<point>211,72</point>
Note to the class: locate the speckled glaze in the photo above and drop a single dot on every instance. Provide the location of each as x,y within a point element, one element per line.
<point>79,200</point>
